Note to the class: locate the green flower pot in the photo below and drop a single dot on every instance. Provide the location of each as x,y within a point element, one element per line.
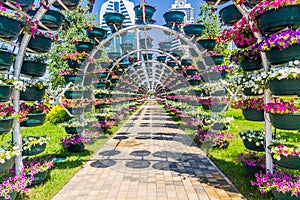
<point>5,92</point>
<point>285,121</point>
<point>6,59</point>
<point>230,14</point>
<point>161,58</point>
<point>147,56</point>
<point>24,4</point>
<point>284,196</point>
<point>171,64</point>
<point>100,106</point>
<point>101,85</point>
<point>149,11</point>
<point>276,57</point>
<point>12,195</point>
<point>285,86</point>
<point>70,4</point>
<point>288,162</point>
<point>191,72</point>
<point>210,76</point>
<point>194,82</point>
<point>37,119</point>
<point>76,111</point>
<point>74,78</point>
<point>75,64</point>
<point>198,92</point>
<point>32,94</point>
<point>84,46</point>
<point>165,45</point>
<point>35,69</point>
<point>113,18</point>
<point>208,44</point>
<point>250,170</point>
<point>114,80</point>
<point>113,55</point>
<point>213,60</point>
<point>253,114</point>
<point>177,53</point>
<point>39,177</point>
<point>193,30</point>
<point>174,16</point>
<point>76,148</point>
<point>7,165</point>
<point>52,19</point>
<point>124,66</point>
<point>40,44</point>
<point>186,62</point>
<point>35,149</point>
<point>251,65</point>
<point>274,20</point>
<point>9,28</point>
<point>213,2</point>
<point>252,146</point>
<point>74,130</point>
<point>219,126</point>
<point>73,94</point>
<point>100,96</point>
<point>96,32</point>
<point>218,107</point>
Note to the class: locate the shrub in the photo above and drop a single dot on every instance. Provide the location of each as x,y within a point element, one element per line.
<point>57,115</point>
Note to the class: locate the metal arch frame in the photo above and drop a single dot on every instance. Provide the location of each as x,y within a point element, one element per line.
<point>17,138</point>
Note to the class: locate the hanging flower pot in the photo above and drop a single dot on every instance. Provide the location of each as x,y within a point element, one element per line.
<point>191,72</point>
<point>88,108</point>
<point>198,92</point>
<point>205,107</point>
<point>161,58</point>
<point>285,121</point>
<point>70,4</point>
<point>119,72</point>
<point>274,20</point>
<point>88,80</point>
<point>171,64</point>
<point>32,94</point>
<point>285,86</point>
<point>124,66</point>
<point>211,76</point>
<point>74,78</point>
<point>96,32</point>
<point>113,55</point>
<point>248,92</point>
<point>35,69</point>
<point>230,14</point>
<point>34,150</point>
<point>186,62</point>
<point>290,162</point>
<point>284,196</point>
<point>10,28</point>
<point>149,11</point>
<point>84,46</point>
<point>113,18</point>
<point>5,92</point>
<point>276,56</point>
<point>218,107</point>
<point>73,94</point>
<point>52,19</point>
<point>252,170</point>
<point>193,30</point>
<point>36,119</point>
<point>174,16</point>
<point>127,46</point>
<point>208,44</point>
<point>253,114</point>
<point>100,85</point>
<point>218,126</point>
<point>87,94</point>
<point>101,106</point>
<point>75,148</point>
<point>177,53</point>
<point>7,165</point>
<point>252,146</point>
<point>194,82</point>
<point>213,2</point>
<point>213,60</point>
<point>74,130</point>
<point>251,65</point>
<point>40,44</point>
<point>75,110</point>
<point>6,125</point>
<point>39,177</point>
<point>102,75</point>
<point>114,80</point>
<point>100,96</point>
<point>147,56</point>
<point>75,64</point>
<point>165,45</point>
<point>219,92</point>
<point>6,59</point>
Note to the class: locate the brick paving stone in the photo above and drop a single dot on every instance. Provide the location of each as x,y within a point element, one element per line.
<point>168,165</point>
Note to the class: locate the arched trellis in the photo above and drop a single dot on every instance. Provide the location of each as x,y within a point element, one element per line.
<point>17,139</point>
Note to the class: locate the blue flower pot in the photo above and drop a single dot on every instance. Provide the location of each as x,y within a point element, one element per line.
<point>208,44</point>
<point>84,46</point>
<point>113,18</point>
<point>36,119</point>
<point>149,11</point>
<point>172,17</point>
<point>76,148</point>
<point>194,29</point>
<point>9,28</point>
<point>35,69</point>
<point>276,56</point>
<point>32,94</point>
<point>70,4</point>
<point>5,92</point>
<point>230,14</point>
<point>6,59</point>
<point>285,121</point>
<point>253,114</point>
<point>285,86</point>
<point>96,32</point>
<point>35,149</point>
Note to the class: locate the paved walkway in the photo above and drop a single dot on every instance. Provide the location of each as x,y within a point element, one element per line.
<point>149,158</point>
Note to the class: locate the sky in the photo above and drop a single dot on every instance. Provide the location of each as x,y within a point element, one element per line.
<point>161,7</point>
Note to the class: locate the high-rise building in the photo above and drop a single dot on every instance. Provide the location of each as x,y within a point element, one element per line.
<point>122,6</point>
<point>187,8</point>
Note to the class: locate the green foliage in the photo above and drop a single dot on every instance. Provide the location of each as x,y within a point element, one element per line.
<point>57,115</point>
<point>74,29</point>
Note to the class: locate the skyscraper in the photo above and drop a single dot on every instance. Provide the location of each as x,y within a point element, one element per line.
<point>122,6</point>
<point>181,5</point>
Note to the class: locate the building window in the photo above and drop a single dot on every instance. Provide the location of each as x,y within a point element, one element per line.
<point>116,6</point>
